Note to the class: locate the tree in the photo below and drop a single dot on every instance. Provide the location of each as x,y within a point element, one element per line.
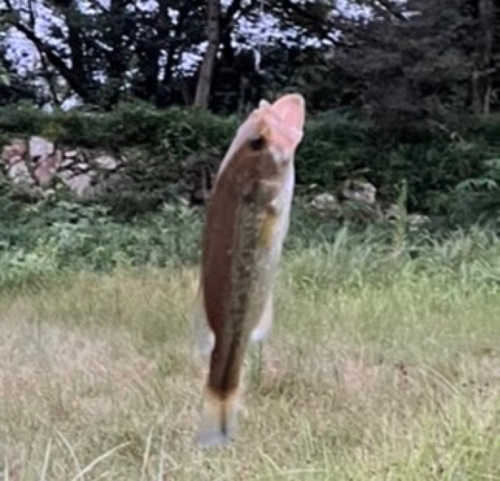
<point>107,53</point>
<point>204,85</point>
<point>485,75</point>
<point>412,69</point>
<point>399,61</point>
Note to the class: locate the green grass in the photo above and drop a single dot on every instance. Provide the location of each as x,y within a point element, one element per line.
<point>383,364</point>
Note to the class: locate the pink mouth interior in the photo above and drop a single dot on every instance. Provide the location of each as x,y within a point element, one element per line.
<point>276,130</point>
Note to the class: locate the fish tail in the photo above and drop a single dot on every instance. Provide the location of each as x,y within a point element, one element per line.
<point>218,418</point>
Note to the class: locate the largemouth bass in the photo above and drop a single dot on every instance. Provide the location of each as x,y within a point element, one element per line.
<point>246,223</point>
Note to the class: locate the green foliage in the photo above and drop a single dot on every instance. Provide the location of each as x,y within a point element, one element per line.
<point>477,199</point>
<point>153,142</point>
<point>48,239</point>
<point>174,131</point>
<point>378,367</point>
<point>337,145</point>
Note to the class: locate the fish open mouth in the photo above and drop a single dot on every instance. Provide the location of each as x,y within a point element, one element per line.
<point>279,125</point>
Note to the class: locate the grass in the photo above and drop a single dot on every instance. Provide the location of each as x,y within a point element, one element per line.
<point>381,366</point>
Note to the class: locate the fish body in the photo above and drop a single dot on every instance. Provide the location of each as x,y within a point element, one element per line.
<point>246,223</point>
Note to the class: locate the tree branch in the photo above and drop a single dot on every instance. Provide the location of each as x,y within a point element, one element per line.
<point>390,8</point>
<point>231,11</point>
<point>73,80</point>
<point>319,24</point>
<point>31,14</point>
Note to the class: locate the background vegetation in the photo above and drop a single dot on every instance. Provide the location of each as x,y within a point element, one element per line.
<point>396,91</point>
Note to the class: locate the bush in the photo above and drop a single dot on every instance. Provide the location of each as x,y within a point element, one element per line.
<point>337,145</point>
<point>153,141</point>
<point>174,131</point>
<point>52,240</point>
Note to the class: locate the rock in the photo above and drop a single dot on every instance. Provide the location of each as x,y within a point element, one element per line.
<point>106,162</point>
<point>67,163</point>
<point>358,191</point>
<point>65,174</point>
<point>79,184</point>
<point>325,202</point>
<point>47,167</point>
<point>70,154</point>
<point>361,212</point>
<point>40,148</point>
<point>15,150</point>
<point>198,176</point>
<point>19,174</point>
<point>81,167</point>
<point>36,163</point>
<point>392,213</point>
<point>15,160</point>
<point>327,206</point>
<point>47,193</point>
<point>418,220</point>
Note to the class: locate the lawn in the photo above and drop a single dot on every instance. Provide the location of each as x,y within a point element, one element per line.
<point>381,366</point>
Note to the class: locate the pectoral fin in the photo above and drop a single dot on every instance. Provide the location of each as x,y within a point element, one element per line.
<point>267,230</point>
<point>205,338</point>
<point>265,322</point>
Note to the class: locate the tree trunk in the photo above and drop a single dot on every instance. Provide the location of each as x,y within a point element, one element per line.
<point>476,92</point>
<point>204,85</point>
<point>481,78</point>
<point>487,98</point>
<point>487,12</point>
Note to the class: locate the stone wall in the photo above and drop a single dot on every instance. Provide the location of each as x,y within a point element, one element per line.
<point>356,201</point>
<point>39,166</point>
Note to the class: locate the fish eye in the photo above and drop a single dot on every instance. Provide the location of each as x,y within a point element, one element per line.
<point>257,143</point>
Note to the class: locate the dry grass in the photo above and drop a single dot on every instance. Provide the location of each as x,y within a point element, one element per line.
<point>399,381</point>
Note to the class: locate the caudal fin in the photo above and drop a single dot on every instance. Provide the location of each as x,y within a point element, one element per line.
<point>218,419</point>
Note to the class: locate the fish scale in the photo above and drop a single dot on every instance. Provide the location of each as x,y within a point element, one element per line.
<point>246,222</point>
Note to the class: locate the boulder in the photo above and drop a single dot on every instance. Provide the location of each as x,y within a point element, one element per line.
<point>70,154</point>
<point>325,203</point>
<point>418,220</point>
<point>47,167</point>
<point>18,173</point>
<point>40,148</point>
<point>15,160</point>
<point>106,162</point>
<point>67,162</point>
<point>14,151</point>
<point>392,212</point>
<point>79,184</point>
<point>37,164</point>
<point>358,191</point>
<point>198,174</point>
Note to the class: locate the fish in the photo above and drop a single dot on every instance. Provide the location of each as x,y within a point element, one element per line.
<point>246,222</point>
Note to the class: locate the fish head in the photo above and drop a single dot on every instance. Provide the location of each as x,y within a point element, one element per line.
<point>266,142</point>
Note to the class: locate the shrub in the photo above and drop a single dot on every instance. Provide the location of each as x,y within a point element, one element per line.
<point>337,145</point>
